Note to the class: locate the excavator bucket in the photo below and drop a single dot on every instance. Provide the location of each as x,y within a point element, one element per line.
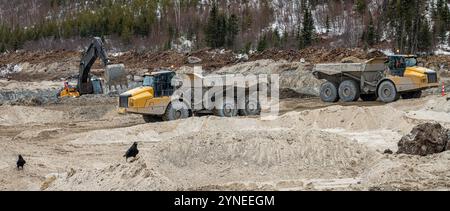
<point>116,78</point>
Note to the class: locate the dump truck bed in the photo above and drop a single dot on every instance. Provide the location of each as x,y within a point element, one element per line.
<point>373,65</point>
<point>371,70</point>
<point>338,68</point>
<point>223,80</point>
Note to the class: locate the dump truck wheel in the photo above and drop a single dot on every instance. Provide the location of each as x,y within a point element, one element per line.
<point>226,108</point>
<point>151,118</point>
<point>369,97</point>
<point>329,92</point>
<point>176,111</point>
<point>349,91</point>
<point>387,92</point>
<point>252,108</point>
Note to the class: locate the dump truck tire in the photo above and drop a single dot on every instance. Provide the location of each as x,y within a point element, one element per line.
<point>412,95</point>
<point>329,92</point>
<point>369,97</point>
<point>151,118</point>
<point>349,91</point>
<point>176,111</point>
<point>252,108</point>
<point>388,92</point>
<point>226,108</point>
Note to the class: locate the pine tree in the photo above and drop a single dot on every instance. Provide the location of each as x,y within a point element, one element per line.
<point>370,38</point>
<point>126,34</point>
<point>361,6</point>
<point>262,44</point>
<point>425,37</point>
<point>327,24</point>
<point>247,47</point>
<point>2,48</point>
<point>212,30</point>
<point>232,30</point>
<point>222,31</point>
<point>307,31</point>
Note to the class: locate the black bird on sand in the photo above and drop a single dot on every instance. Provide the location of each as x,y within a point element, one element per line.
<point>132,152</point>
<point>20,163</point>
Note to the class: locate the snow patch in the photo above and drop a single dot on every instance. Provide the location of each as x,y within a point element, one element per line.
<point>182,45</point>
<point>10,69</point>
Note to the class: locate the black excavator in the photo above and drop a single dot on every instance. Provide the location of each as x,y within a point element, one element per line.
<point>88,84</point>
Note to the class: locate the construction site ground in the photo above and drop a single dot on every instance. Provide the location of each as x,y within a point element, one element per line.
<point>311,146</point>
<point>79,143</point>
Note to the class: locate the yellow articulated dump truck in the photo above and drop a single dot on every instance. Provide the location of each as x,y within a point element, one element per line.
<point>167,96</point>
<point>384,78</point>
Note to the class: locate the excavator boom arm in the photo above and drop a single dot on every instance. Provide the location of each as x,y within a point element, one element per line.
<point>95,50</point>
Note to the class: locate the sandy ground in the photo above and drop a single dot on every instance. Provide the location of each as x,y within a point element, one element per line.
<point>310,146</point>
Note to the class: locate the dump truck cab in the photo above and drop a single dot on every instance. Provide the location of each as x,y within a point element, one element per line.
<point>385,78</point>
<point>152,98</point>
<point>409,78</point>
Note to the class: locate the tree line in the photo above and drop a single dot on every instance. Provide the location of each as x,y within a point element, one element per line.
<point>405,22</point>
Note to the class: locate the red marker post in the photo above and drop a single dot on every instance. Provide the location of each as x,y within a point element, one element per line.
<point>443,89</point>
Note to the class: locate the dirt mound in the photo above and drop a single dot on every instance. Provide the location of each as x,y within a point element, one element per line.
<point>28,93</point>
<point>225,157</point>
<point>408,173</point>
<point>36,57</point>
<point>351,59</point>
<point>137,176</point>
<point>44,134</point>
<point>294,76</point>
<point>14,115</point>
<point>425,139</point>
<point>352,118</point>
<point>313,55</point>
<point>209,59</point>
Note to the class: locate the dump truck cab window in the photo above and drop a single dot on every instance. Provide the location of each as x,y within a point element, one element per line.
<point>411,62</point>
<point>149,81</point>
<point>397,65</point>
<point>162,84</point>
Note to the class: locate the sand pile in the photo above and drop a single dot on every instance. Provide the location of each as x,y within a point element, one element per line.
<point>233,150</point>
<point>127,177</point>
<point>224,157</point>
<point>352,118</point>
<point>14,115</point>
<point>440,104</point>
<point>409,173</point>
<point>19,115</point>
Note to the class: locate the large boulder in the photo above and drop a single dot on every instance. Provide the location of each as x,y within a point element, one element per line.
<point>425,139</point>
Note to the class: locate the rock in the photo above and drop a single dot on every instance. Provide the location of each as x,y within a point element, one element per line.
<point>388,151</point>
<point>194,60</point>
<point>242,57</point>
<point>425,139</point>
